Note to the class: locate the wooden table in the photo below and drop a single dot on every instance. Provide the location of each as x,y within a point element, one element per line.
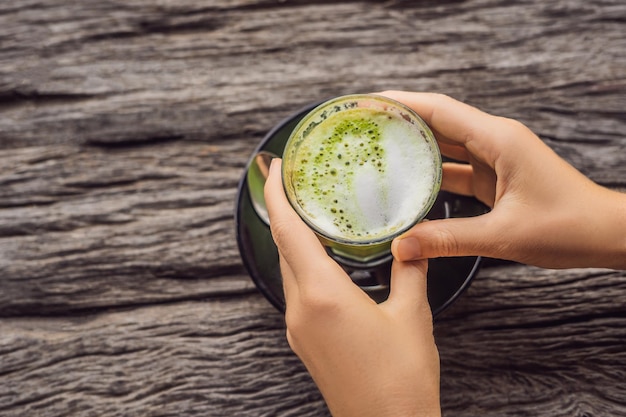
<point>126,125</point>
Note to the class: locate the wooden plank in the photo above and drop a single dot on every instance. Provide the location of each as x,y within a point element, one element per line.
<point>528,341</point>
<point>125,127</point>
<point>561,354</point>
<point>88,227</point>
<point>190,358</point>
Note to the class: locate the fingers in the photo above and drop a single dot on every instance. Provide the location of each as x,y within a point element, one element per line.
<point>450,237</point>
<point>458,179</point>
<point>408,285</point>
<point>296,242</point>
<point>465,179</point>
<point>455,121</point>
<point>455,152</point>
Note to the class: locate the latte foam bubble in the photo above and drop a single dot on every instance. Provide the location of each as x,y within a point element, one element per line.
<point>363,174</point>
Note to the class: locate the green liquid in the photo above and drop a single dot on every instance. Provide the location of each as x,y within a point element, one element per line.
<point>360,170</point>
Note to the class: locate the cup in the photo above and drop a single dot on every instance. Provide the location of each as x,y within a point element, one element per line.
<point>360,170</point>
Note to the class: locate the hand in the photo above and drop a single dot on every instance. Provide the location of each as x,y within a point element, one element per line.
<point>545,212</point>
<point>367,359</point>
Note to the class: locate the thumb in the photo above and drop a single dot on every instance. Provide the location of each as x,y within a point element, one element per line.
<point>449,237</point>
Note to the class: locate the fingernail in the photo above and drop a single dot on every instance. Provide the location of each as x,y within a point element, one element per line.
<point>408,249</point>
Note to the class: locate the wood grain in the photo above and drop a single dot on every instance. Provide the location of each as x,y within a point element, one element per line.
<point>186,358</point>
<point>527,341</point>
<point>126,125</point>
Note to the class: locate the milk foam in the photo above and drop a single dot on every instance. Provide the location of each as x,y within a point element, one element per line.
<point>362,174</point>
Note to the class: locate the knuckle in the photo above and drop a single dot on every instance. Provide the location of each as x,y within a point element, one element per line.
<point>446,243</point>
<point>291,340</point>
<point>280,230</point>
<point>295,327</point>
<point>318,301</point>
<point>513,124</point>
<point>313,305</point>
<point>512,129</point>
<point>441,96</point>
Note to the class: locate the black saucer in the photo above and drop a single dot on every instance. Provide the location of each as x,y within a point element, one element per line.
<point>447,277</point>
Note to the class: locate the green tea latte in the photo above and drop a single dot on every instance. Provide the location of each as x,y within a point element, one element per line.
<point>361,169</point>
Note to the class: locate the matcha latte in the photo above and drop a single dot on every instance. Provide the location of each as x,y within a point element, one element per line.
<point>361,170</point>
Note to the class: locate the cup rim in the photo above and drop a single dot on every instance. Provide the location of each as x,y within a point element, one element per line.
<point>429,137</point>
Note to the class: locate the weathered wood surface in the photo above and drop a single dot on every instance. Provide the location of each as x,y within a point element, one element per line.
<point>125,126</point>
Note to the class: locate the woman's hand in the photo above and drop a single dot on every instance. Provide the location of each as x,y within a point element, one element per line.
<point>367,359</point>
<point>545,212</point>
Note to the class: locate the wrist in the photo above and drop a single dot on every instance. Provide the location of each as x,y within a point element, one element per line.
<point>614,224</point>
<point>422,411</point>
<point>602,230</point>
<point>585,228</point>
<point>406,399</point>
